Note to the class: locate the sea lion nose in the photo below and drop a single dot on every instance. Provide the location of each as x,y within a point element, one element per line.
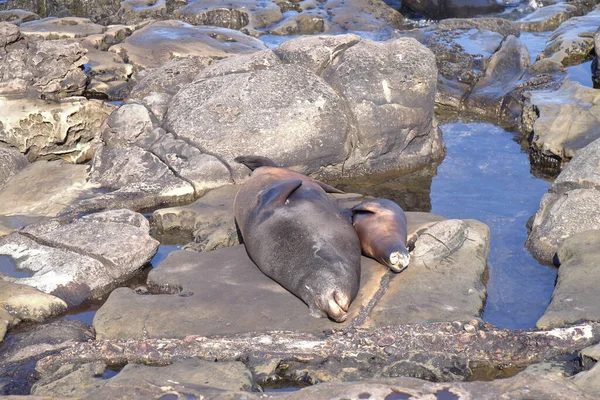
<point>342,300</point>
<point>398,261</point>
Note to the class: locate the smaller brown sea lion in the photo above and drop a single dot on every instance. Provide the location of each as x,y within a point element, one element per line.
<point>381,228</point>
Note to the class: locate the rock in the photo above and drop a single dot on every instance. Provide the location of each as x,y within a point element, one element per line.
<point>6,321</point>
<point>29,304</point>
<point>9,34</point>
<point>201,295</point>
<point>315,52</point>
<point>11,162</point>
<point>589,380</point>
<point>160,42</point>
<point>60,28</point>
<point>17,16</point>
<point>547,18</point>
<point>190,377</point>
<point>108,73</point>
<point>139,10</point>
<point>134,178</point>
<point>83,259</point>
<point>243,114</point>
<point>234,15</point>
<point>574,296</point>
<point>171,77</point>
<point>562,368</point>
<point>21,351</point>
<point>112,34</point>
<point>444,279</point>
<point>573,40</point>
<point>99,11</point>
<point>590,356</point>
<point>506,67</point>
<point>47,69</point>
<point>43,189</point>
<point>50,130</point>
<point>441,9</point>
<point>582,172</point>
<point>361,15</point>
<point>567,120</point>
<point>264,59</point>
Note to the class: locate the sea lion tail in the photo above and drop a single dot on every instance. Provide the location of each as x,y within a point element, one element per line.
<point>254,162</point>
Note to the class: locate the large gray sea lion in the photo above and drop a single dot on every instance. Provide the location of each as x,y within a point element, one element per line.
<point>295,235</point>
<point>381,227</point>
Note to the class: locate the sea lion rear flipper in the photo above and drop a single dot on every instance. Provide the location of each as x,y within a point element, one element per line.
<point>277,193</point>
<point>254,162</point>
<point>327,188</point>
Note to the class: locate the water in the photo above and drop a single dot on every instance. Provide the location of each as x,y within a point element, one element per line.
<point>162,253</point>
<point>582,73</point>
<point>535,42</point>
<point>486,176</point>
<point>8,267</point>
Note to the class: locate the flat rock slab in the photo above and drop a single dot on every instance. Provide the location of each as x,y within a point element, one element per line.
<point>83,259</point>
<point>61,28</point>
<point>158,43</point>
<point>144,381</point>
<point>575,297</point>
<point>218,292</point>
<point>27,303</point>
<point>232,15</point>
<point>223,292</point>
<point>573,40</point>
<point>43,189</point>
<point>568,119</point>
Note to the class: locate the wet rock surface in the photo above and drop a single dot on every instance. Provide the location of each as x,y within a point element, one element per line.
<point>547,18</point>
<point>60,28</point>
<point>570,205</point>
<point>441,9</point>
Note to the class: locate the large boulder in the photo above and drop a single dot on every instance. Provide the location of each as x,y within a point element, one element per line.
<point>547,18</point>
<point>53,130</point>
<point>301,114</point>
<point>47,69</point>
<point>158,43</point>
<point>83,259</point>
<point>577,290</point>
<point>201,285</point>
<point>570,207</point>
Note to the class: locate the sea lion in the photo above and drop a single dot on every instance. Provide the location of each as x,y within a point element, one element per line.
<point>381,228</point>
<point>295,235</point>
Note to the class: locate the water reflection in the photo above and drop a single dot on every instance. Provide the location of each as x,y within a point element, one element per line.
<point>486,176</point>
<point>8,267</point>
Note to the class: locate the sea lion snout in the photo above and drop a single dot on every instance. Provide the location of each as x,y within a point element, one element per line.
<point>398,261</point>
<point>335,304</point>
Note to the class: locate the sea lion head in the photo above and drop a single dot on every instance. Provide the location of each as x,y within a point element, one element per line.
<point>331,299</point>
<point>396,258</point>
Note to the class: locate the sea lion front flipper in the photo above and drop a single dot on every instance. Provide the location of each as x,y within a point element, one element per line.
<point>366,207</point>
<point>254,162</point>
<point>278,193</point>
<point>327,188</point>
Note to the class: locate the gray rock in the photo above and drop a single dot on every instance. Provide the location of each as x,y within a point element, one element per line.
<point>444,279</point>
<point>575,296</point>
<point>80,260</point>
<point>27,303</point>
<point>359,15</point>
<point>547,18</point>
<point>590,356</point>
<point>139,10</point>
<point>589,380</point>
<point>60,28</point>
<point>236,15</point>
<point>6,321</point>
<point>595,65</point>
<point>171,77</point>
<point>160,42</point>
<point>441,9</point>
<point>53,130</point>
<point>108,73</point>
<point>188,377</point>
<point>567,120</point>
<point>315,53</point>
<point>21,351</point>
<point>43,189</point>
<point>284,112</point>
<point>11,162</point>
<point>264,59</point>
<point>573,40</point>
<point>17,16</point>
<point>56,70</point>
<point>583,171</point>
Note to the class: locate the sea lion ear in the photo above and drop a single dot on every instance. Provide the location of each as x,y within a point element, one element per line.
<point>277,193</point>
<point>366,207</point>
<point>327,188</point>
<point>254,162</point>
